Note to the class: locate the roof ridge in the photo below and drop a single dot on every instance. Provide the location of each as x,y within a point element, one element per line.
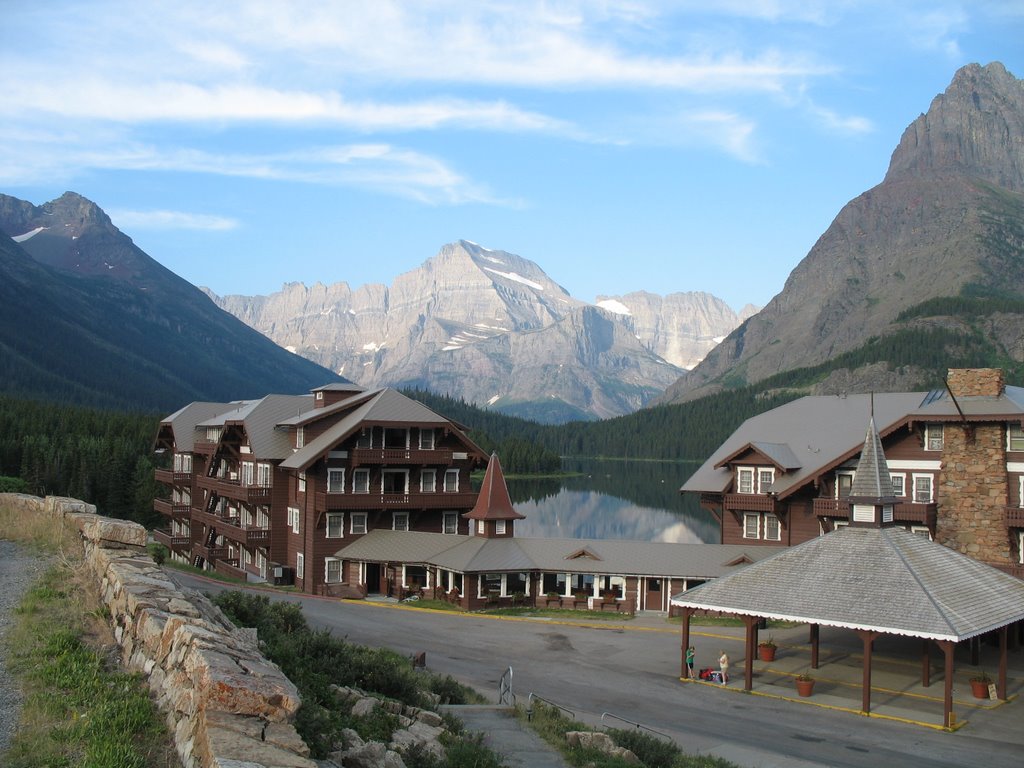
<point>887,533</point>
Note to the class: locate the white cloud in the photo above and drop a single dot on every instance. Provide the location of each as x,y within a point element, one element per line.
<point>127,219</point>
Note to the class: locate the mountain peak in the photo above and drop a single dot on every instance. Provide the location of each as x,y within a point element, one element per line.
<point>973,128</point>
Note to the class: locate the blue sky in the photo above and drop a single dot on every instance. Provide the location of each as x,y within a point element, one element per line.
<point>659,146</point>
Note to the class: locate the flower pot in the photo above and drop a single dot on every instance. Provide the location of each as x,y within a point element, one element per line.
<point>804,687</point>
<point>766,652</point>
<point>980,688</point>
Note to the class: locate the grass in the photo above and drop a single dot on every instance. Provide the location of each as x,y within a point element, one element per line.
<point>653,752</point>
<point>79,708</point>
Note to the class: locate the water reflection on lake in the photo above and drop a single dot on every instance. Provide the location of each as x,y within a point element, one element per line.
<point>637,500</point>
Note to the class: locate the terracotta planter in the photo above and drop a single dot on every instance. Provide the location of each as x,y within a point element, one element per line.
<point>766,652</point>
<point>804,687</point>
<point>980,688</point>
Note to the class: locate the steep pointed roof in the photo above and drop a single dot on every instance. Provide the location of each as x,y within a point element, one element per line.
<point>493,503</point>
<point>872,479</point>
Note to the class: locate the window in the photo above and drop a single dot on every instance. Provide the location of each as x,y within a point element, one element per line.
<point>428,481</point>
<point>335,480</point>
<point>480,527</point>
<point>358,522</point>
<point>1020,547</point>
<point>844,482</point>
<point>360,481</point>
<point>263,475</point>
<point>365,439</point>
<point>400,521</point>
<point>262,517</point>
<point>923,489</point>
<point>395,481</point>
<point>396,438</point>
<point>426,439</point>
<point>772,529</point>
<point>335,525</point>
<point>451,481</point>
<point>332,570</point>
<point>451,522</point>
<point>300,437</point>
<point>319,395</point>
<point>302,482</point>
<point>183,463</point>
<point>293,519</point>
<point>300,565</point>
<point>898,485</point>
<point>921,530</point>
<point>1014,437</point>
<point>933,437</point>
<point>745,482</point>
<point>499,527</point>
<point>765,478</point>
<point>248,473</point>
<point>751,525</point>
<point>491,583</point>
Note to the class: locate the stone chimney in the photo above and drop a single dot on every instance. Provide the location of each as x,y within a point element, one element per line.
<point>976,382</point>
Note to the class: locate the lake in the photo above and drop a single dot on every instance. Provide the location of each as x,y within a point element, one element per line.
<point>610,499</point>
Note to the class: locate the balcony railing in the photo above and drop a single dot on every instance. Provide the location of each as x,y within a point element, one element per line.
<point>437,456</point>
<point>233,489</point>
<point>242,534</point>
<point>176,543</point>
<point>210,553</point>
<point>377,500</point>
<point>1013,570</point>
<point>175,509</point>
<point>903,511</point>
<point>1014,517</point>
<point>169,477</point>
<point>750,502</point>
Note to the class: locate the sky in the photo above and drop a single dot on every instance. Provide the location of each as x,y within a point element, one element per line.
<point>622,146</point>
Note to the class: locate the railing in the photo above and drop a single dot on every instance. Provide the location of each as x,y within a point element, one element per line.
<point>401,456</point>
<point>176,510</point>
<point>243,535</point>
<point>904,511</point>
<point>505,695</point>
<point>205,447</point>
<point>233,489</point>
<point>750,502</point>
<point>534,697</point>
<point>1014,517</point>
<point>177,543</point>
<point>169,477</point>
<point>1013,570</point>
<point>211,553</point>
<point>638,726</point>
<point>378,500</point>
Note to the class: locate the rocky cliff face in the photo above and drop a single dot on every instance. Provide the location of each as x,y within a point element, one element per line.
<point>493,328</point>
<point>948,216</point>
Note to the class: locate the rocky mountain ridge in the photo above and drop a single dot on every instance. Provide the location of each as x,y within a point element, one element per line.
<point>946,222</point>
<point>493,328</point>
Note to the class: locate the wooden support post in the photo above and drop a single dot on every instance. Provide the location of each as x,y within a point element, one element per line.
<point>975,645</point>
<point>815,635</point>
<point>748,663</point>
<point>926,663</point>
<point>947,647</point>
<point>868,638</point>
<point>1001,678</point>
<point>687,612</point>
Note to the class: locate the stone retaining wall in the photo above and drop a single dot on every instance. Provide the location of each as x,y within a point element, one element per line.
<point>226,704</point>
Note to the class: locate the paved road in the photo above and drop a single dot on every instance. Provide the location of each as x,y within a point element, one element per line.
<point>632,673</point>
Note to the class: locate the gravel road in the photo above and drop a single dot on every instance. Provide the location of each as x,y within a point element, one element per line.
<point>19,569</point>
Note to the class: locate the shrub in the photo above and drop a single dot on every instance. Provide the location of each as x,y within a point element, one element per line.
<point>652,751</point>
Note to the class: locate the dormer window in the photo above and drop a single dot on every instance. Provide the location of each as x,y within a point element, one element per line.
<point>754,480</point>
<point>844,482</point>
<point>933,437</point>
<point>745,480</point>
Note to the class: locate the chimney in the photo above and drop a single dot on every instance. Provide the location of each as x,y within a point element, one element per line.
<point>976,382</point>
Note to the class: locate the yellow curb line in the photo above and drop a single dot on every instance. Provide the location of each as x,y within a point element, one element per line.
<point>832,707</point>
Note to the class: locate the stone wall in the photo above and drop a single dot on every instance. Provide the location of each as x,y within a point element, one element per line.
<point>973,491</point>
<point>975,382</point>
<point>226,705</point>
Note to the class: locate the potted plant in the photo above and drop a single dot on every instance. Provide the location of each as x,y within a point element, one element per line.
<point>766,649</point>
<point>554,599</point>
<point>804,684</point>
<point>980,684</point>
<point>581,599</point>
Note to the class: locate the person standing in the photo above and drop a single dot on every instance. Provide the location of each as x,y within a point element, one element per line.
<point>723,666</point>
<point>690,653</point>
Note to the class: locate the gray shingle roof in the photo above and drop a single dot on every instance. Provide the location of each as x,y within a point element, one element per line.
<point>872,479</point>
<point>183,422</point>
<point>613,557</point>
<point>260,418</point>
<point>884,579</point>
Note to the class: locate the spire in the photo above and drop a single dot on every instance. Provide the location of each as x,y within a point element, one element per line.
<point>493,502</point>
<point>871,496</point>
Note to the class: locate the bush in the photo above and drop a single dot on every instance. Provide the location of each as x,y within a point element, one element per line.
<point>157,551</point>
<point>652,751</point>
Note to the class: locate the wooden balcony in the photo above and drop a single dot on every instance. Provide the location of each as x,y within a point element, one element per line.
<point>175,510</point>
<point>229,567</point>
<point>384,456</point>
<point>1014,517</point>
<point>210,554</point>
<point>377,500</point>
<point>205,447</point>
<point>179,544</point>
<point>256,536</point>
<point>233,489</point>
<point>750,502</point>
<point>903,511</point>
<point>169,477</point>
<point>1013,570</point>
